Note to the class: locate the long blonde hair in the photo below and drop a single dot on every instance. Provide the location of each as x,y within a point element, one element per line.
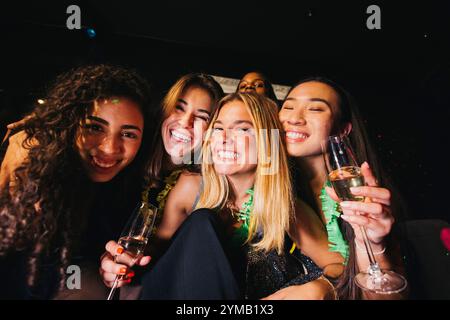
<point>273,206</point>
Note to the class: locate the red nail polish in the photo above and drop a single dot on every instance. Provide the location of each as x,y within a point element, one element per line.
<point>123,270</point>
<point>119,250</point>
<point>131,274</point>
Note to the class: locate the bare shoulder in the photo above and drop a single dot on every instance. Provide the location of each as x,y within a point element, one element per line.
<point>179,203</point>
<point>185,190</point>
<point>189,182</point>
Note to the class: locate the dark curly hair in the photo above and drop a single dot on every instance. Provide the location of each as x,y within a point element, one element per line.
<point>38,214</point>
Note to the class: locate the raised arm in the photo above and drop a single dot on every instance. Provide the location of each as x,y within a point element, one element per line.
<point>15,155</point>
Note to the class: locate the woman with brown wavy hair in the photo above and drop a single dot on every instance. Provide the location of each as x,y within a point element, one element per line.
<point>185,113</point>
<point>84,154</point>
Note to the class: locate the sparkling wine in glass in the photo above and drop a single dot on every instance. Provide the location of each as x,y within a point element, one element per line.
<point>344,173</point>
<point>135,236</point>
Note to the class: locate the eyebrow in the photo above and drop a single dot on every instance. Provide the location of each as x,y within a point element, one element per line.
<point>98,120</point>
<point>199,110</point>
<point>237,122</point>
<point>312,100</point>
<point>129,126</point>
<point>103,121</point>
<point>246,81</point>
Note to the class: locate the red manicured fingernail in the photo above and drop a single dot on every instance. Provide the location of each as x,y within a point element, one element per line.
<point>123,270</point>
<point>119,250</point>
<point>128,281</point>
<point>131,274</point>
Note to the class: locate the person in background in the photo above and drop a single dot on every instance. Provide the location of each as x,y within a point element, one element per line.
<point>257,82</point>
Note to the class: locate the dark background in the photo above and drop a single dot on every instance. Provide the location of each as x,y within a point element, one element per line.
<point>400,75</point>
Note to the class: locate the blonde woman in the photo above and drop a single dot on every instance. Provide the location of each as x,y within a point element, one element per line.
<point>247,188</point>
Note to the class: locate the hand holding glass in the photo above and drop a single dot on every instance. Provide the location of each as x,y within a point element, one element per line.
<point>135,236</point>
<point>344,173</point>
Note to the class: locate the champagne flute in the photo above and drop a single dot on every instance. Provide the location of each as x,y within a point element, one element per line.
<point>344,173</point>
<point>135,236</point>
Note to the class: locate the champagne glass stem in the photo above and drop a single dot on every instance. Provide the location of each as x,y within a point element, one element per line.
<point>113,288</point>
<point>373,263</point>
<point>116,281</point>
<point>115,284</point>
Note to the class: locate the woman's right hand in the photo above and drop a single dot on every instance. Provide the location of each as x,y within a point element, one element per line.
<point>20,123</point>
<point>15,155</point>
<point>110,269</point>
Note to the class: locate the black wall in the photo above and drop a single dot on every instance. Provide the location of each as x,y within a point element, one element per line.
<point>400,74</point>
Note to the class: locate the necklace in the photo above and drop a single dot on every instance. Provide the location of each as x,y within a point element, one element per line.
<point>244,213</point>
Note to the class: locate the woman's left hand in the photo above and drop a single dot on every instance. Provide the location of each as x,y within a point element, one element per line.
<point>374,213</point>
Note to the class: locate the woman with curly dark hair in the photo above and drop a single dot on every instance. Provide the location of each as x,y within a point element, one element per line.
<point>85,148</point>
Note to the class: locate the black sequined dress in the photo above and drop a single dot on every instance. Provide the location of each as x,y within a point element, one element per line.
<point>270,272</point>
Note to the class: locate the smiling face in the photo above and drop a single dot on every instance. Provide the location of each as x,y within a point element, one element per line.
<point>182,131</point>
<point>233,140</point>
<point>109,138</point>
<point>252,82</point>
<point>307,116</point>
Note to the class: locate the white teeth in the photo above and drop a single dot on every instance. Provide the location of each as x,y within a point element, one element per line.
<point>181,136</point>
<point>228,154</point>
<point>102,164</point>
<point>296,135</point>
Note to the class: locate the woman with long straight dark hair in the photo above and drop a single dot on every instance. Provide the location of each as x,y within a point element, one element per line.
<point>314,109</point>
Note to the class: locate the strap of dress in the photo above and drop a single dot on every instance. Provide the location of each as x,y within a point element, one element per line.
<point>197,197</point>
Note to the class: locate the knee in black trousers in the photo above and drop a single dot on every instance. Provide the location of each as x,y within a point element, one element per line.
<point>195,266</point>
